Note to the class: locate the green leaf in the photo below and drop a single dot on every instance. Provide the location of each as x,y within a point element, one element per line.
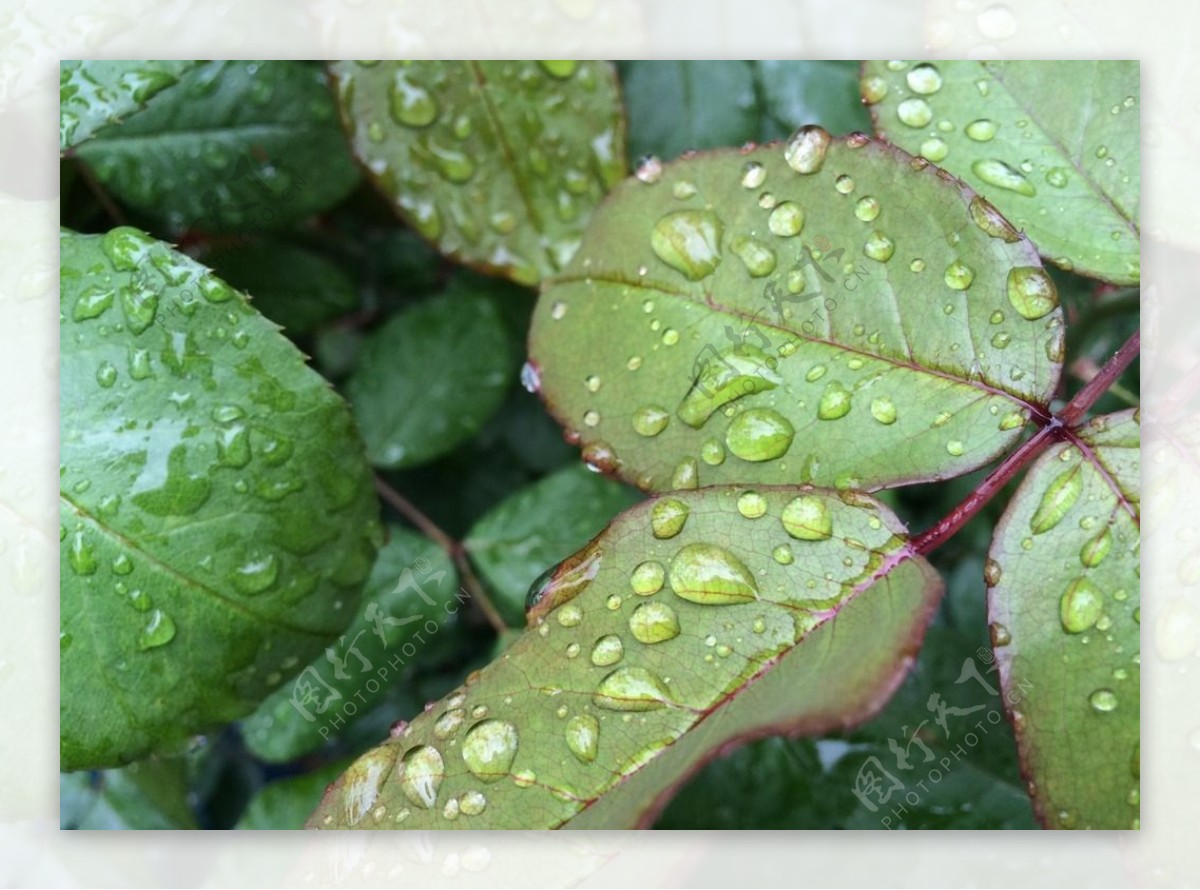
<point>538,527</point>
<point>498,163</point>
<point>871,323</point>
<point>238,146</point>
<point>152,794</point>
<point>218,518</point>
<point>432,376</point>
<point>1064,578</point>
<point>409,616</point>
<point>286,803</point>
<point>1053,144</point>
<point>294,287</point>
<point>671,104</point>
<point>95,94</point>
<point>695,620</point>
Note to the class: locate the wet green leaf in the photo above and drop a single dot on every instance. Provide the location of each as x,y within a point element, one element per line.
<point>285,804</point>
<point>218,519</point>
<point>294,287</point>
<point>149,795</point>
<point>869,323</point>
<point>409,616</point>
<point>237,146</point>
<point>499,163</point>
<point>538,527</point>
<point>94,94</point>
<point>671,109</point>
<point>659,642</point>
<point>432,375</point>
<point>1064,578</point>
<point>1053,144</point>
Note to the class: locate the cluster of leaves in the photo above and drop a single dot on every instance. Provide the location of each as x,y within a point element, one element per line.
<point>268,566</point>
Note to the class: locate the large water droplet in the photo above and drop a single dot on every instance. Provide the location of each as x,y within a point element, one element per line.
<point>711,576</point>
<point>1058,498</point>
<point>650,420</point>
<point>995,172</point>
<point>421,776</point>
<point>654,623</point>
<point>92,303</point>
<point>560,584</point>
<point>1081,605</point>
<point>934,149</point>
<point>879,247</point>
<point>631,689</point>
<point>914,112</point>
<point>686,475</point>
<point>582,733</point>
<point>805,151</point>
<point>726,376</point>
<point>958,275</point>
<point>409,104</point>
<point>607,650</point>
<point>362,781</point>
<point>689,241</point>
<point>924,79</point>
<point>867,208</point>
<point>648,578</point>
<point>786,219</point>
<point>159,631</point>
<point>759,434</point>
<point>1094,551</point>
<point>1031,291</point>
<point>835,401</point>
<point>751,504</point>
<point>883,409</point>
<point>758,259</point>
<point>667,517</point>
<point>992,221</point>
<point>807,518</point>
<point>489,749</point>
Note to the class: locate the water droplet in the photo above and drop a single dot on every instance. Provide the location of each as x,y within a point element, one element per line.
<point>726,376</point>
<point>759,434</point>
<point>608,650</point>
<point>917,265</point>
<point>786,219</point>
<point>649,170</point>
<point>631,689</point>
<point>363,780</point>
<point>751,504</point>
<point>995,172</point>
<point>879,247</point>
<point>654,622</point>
<point>883,409</point>
<point>472,803</point>
<point>409,104</point>
<point>867,208</point>
<point>650,420</point>
<point>924,79</point>
<point>689,241</point>
<point>992,221</point>
<point>92,303</point>
<point>1058,177</point>
<point>559,69</point>
<point>959,275</point>
<point>531,377</point>
<point>807,518</point>
<point>668,517</point>
<point>257,573</point>
<point>591,417</point>
<point>806,149</point>
<point>754,174</point>
<point>844,184</point>
<point>81,556</point>
<point>992,572</point>
<point>647,578</point>
<point>1096,549</point>
<point>1103,701</point>
<point>122,565</point>
<point>758,259</point>
<point>783,555</point>
<point>582,734</point>
<point>1000,635</point>
<point>569,615</point>
<point>711,576</point>
<point>1080,606</point>
<point>686,475</point>
<point>159,631</point>
<point>914,112</point>
<point>982,130</point>
<point>934,149</point>
<point>712,452</point>
<point>449,723</point>
<point>683,190</point>
<point>557,312</point>
<point>422,772</point>
<point>489,749</point>
<point>874,89</point>
<point>955,448</point>
<point>835,402</point>
<point>1031,292</point>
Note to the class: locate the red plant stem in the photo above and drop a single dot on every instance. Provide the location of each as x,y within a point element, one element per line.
<point>1057,428</point>
<point>454,549</point>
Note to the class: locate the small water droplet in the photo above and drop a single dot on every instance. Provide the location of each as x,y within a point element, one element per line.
<point>879,247</point>
<point>489,748</point>
<point>686,475</point>
<point>992,221</point>
<point>754,175</point>
<point>569,615</point>
<point>758,259</point>
<point>711,576</point>
<point>835,401</point>
<point>158,631</point>
<point>786,220</point>
<point>917,265</point>
<point>807,518</point>
<point>982,130</point>
<point>874,89</point>
<point>449,723</point>
<point>607,650</point>
<point>647,578</point>
<point>1103,701</point>
<point>712,452</point>
<point>409,104</point>
<point>531,377</point>
<point>1058,177</point>
<point>783,555</point>
<point>650,420</point>
<point>751,504</point>
<point>844,184</point>
<point>883,409</point>
<point>257,573</point>
<point>914,112</point>
<point>934,149</point>
<point>631,689</point>
<point>958,275</point>
<point>582,734</point>
<point>1000,635</point>
<point>1094,551</point>
<point>649,170</point>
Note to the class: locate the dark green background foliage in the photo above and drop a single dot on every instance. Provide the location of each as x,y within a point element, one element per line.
<point>245,168</point>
